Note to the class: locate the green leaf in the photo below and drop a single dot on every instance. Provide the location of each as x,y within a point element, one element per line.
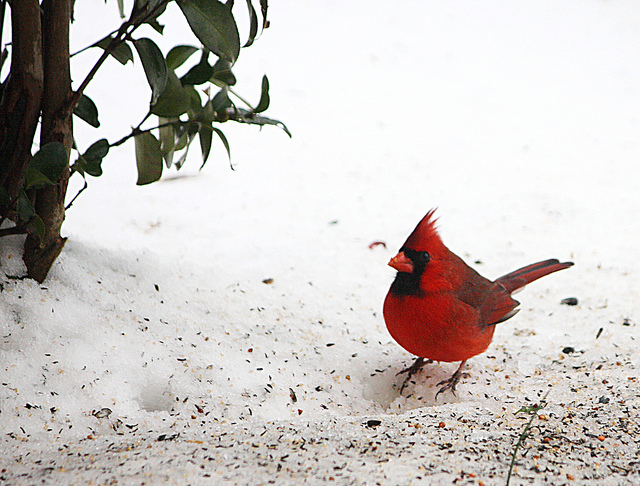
<point>148,10</point>
<point>263,7</point>
<point>36,226</point>
<point>253,28</point>
<point>148,158</point>
<point>225,142</point>
<point>221,101</point>
<point>159,28</point>
<point>174,100</point>
<point>222,72</point>
<point>46,167</point>
<point>122,53</point>
<point>87,110</point>
<point>183,138</point>
<point>167,139</point>
<point>167,134</point>
<point>196,101</point>
<point>213,24</point>
<point>198,74</point>
<point>205,135</point>
<point>24,207</point>
<point>51,160</point>
<point>207,114</point>
<point>178,55</point>
<point>263,104</point>
<point>245,116</point>
<point>34,179</point>
<point>155,67</point>
<point>180,162</point>
<point>93,157</point>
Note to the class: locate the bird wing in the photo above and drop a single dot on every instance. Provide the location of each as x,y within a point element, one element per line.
<point>491,299</point>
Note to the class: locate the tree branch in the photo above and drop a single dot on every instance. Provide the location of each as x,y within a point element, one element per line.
<point>20,107</point>
<point>115,42</point>
<point>14,230</point>
<point>139,131</point>
<point>138,17</point>
<point>41,248</point>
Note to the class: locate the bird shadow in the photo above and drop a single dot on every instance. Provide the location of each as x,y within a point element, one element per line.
<point>385,387</point>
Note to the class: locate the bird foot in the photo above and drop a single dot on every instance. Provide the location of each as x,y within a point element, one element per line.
<point>451,383</point>
<point>412,370</point>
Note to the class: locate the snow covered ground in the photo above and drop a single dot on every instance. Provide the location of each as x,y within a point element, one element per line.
<point>225,327</point>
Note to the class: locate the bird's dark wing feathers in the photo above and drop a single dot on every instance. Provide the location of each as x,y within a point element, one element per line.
<point>490,299</point>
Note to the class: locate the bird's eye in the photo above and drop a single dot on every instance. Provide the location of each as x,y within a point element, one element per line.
<point>424,257</point>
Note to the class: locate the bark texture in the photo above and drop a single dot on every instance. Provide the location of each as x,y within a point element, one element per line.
<point>41,251</point>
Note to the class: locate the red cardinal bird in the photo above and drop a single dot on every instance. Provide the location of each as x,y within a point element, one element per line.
<point>440,309</point>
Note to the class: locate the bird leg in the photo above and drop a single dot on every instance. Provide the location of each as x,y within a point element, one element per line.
<point>450,383</point>
<point>412,370</point>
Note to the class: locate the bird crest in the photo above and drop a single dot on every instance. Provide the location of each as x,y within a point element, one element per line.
<point>425,237</point>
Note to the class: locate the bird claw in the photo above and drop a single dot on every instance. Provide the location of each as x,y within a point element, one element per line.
<point>412,370</point>
<point>448,384</point>
<point>451,383</point>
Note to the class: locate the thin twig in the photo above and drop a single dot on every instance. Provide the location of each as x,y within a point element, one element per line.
<point>76,196</point>
<point>116,41</point>
<point>122,34</point>
<point>139,131</point>
<point>94,44</point>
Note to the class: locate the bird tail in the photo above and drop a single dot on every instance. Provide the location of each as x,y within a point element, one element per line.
<point>525,275</point>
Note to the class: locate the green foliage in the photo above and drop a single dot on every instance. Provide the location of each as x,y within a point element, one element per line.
<point>213,24</point>
<point>253,21</point>
<point>186,102</point>
<point>26,211</point>
<point>175,100</point>
<point>183,105</point>
<point>90,162</point>
<point>87,110</point>
<point>263,104</point>
<point>121,52</point>
<point>46,166</point>
<point>178,55</point>
<point>148,158</point>
<point>155,67</point>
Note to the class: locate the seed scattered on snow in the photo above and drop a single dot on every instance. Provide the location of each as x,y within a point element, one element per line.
<point>102,413</point>
<point>569,301</point>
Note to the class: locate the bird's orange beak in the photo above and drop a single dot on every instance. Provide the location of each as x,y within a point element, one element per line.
<point>401,263</point>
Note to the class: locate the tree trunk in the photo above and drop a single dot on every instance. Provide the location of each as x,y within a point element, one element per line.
<point>40,253</point>
<point>20,106</point>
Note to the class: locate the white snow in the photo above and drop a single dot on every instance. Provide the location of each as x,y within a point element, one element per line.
<point>155,353</point>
